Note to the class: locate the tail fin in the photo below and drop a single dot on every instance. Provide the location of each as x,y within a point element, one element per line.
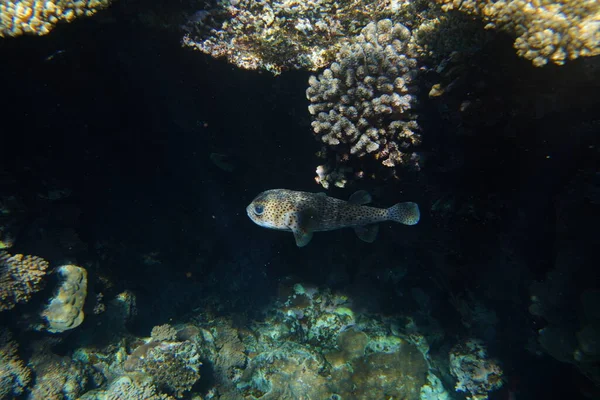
<point>405,213</point>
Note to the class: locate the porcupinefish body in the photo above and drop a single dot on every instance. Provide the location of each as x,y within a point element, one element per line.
<point>303,213</point>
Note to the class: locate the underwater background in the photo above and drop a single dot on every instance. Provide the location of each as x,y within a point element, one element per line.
<point>135,134</point>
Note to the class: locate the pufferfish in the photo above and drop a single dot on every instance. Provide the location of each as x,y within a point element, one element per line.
<point>303,213</point>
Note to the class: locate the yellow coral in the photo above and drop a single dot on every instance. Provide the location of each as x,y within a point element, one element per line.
<point>546,30</point>
<point>39,17</point>
<point>65,309</point>
<point>20,277</point>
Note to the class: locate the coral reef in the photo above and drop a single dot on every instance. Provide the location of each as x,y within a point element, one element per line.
<point>363,104</point>
<point>14,374</point>
<point>475,373</point>
<point>173,366</point>
<point>280,34</point>
<point>20,277</point>
<point>60,377</point>
<point>290,372</point>
<point>163,333</point>
<point>19,17</point>
<point>313,316</point>
<point>65,309</point>
<point>546,30</point>
<point>401,374</point>
<point>434,389</point>
<point>288,34</point>
<point>310,344</point>
<point>134,387</point>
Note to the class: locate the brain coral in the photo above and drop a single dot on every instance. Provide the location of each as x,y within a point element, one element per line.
<point>39,17</point>
<point>20,277</point>
<point>362,105</point>
<point>546,30</point>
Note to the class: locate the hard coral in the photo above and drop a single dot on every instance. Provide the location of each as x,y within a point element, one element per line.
<point>20,277</point>
<point>546,30</point>
<point>475,373</point>
<point>65,309</point>
<point>363,104</point>
<point>133,387</point>
<point>390,375</point>
<point>14,375</point>
<point>279,34</point>
<point>163,333</point>
<point>173,366</point>
<point>292,371</point>
<point>19,17</point>
<point>60,377</point>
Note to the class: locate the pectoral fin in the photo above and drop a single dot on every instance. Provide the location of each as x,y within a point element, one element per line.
<point>301,224</point>
<point>360,197</point>
<point>302,237</point>
<point>367,233</point>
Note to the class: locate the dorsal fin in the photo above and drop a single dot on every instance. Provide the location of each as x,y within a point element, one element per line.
<point>360,197</point>
<point>367,233</point>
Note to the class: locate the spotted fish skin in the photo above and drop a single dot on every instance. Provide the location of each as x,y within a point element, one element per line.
<point>303,213</point>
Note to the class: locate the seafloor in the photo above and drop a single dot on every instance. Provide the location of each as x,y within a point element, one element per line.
<point>134,158</point>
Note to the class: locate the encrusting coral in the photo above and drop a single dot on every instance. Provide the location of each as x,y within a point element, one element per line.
<point>546,30</point>
<point>20,277</point>
<point>362,105</point>
<point>38,17</point>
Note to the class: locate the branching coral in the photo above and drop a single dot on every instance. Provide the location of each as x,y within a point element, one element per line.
<point>546,30</point>
<point>14,375</point>
<point>20,277</point>
<point>363,105</point>
<point>38,17</point>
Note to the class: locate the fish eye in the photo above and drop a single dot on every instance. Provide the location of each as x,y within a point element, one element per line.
<point>258,209</point>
